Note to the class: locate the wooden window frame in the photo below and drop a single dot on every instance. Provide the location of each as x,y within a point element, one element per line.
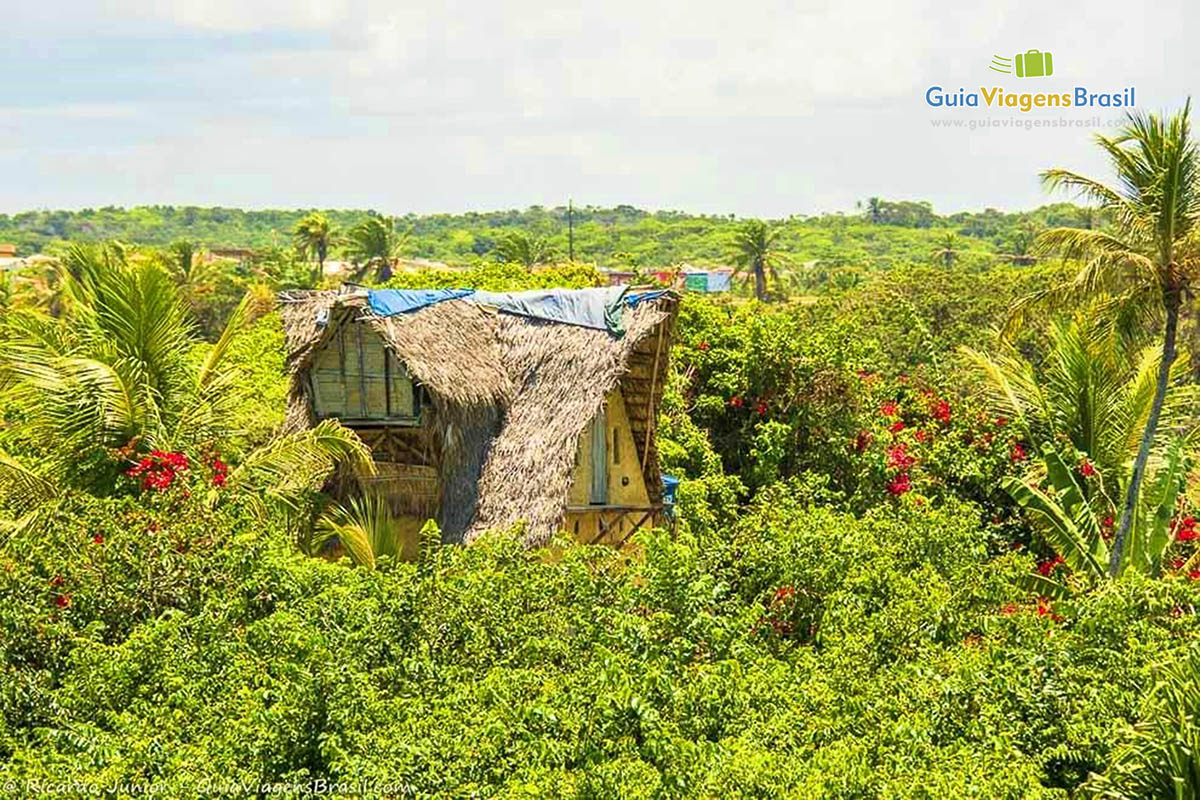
<point>390,419</point>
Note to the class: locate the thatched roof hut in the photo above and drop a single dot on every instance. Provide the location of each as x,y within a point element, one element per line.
<point>507,400</point>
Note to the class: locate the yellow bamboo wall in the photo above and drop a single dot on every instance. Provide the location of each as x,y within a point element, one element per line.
<point>626,483</point>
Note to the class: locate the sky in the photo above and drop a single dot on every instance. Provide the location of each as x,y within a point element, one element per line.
<point>751,108</point>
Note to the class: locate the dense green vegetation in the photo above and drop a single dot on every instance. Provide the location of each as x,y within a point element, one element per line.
<point>890,573</point>
<point>617,237</point>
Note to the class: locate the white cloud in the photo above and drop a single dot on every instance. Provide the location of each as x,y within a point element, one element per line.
<point>763,106</point>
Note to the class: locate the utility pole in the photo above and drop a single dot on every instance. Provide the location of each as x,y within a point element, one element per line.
<point>570,229</point>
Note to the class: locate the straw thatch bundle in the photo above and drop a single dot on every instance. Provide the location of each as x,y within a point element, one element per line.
<point>563,374</point>
<point>512,397</point>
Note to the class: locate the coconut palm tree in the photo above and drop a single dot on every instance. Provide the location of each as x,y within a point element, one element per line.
<point>1093,390</point>
<point>122,372</point>
<point>375,244</point>
<point>1147,262</point>
<point>527,249</point>
<point>195,278</point>
<point>755,250</point>
<point>312,237</point>
<point>948,249</point>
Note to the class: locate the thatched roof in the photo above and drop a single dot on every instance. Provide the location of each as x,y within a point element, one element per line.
<point>512,396</point>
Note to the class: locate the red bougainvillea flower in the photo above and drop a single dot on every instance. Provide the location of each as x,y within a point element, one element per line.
<point>1185,529</point>
<point>62,600</point>
<point>761,408</point>
<point>1001,422</point>
<point>889,409</point>
<point>1086,468</point>
<point>158,469</point>
<point>142,466</point>
<point>863,441</point>
<point>896,426</point>
<point>1194,575</point>
<point>1009,609</point>
<point>702,346</point>
<point>56,581</point>
<point>900,484</point>
<point>220,472</point>
<point>1047,567</point>
<point>736,401</point>
<point>898,457</point>
<point>98,539</point>
<point>1017,453</point>
<point>921,436</point>
<point>177,461</point>
<point>940,411</point>
<point>783,594</point>
<point>1177,563</point>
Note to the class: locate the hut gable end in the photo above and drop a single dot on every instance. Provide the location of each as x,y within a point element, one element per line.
<point>355,377</point>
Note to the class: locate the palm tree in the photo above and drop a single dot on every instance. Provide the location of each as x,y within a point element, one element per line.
<point>182,259</point>
<point>374,243</point>
<point>947,250</point>
<point>1148,261</point>
<point>755,250</point>
<point>527,249</point>
<point>120,373</point>
<point>194,277</point>
<point>1092,390</point>
<point>312,236</point>
<point>1020,252</point>
<point>874,209</point>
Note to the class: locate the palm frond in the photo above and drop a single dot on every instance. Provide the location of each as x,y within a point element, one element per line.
<point>24,491</point>
<point>365,527</point>
<point>1010,389</point>
<point>284,470</point>
<point>234,325</point>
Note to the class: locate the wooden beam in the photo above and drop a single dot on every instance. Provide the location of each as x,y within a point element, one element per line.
<point>653,382</point>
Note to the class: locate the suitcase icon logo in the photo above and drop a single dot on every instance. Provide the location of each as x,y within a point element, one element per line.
<point>1030,64</point>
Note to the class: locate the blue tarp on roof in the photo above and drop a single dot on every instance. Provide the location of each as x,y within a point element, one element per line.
<point>386,302</point>
<point>588,308</point>
<point>633,299</point>
<point>600,309</point>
